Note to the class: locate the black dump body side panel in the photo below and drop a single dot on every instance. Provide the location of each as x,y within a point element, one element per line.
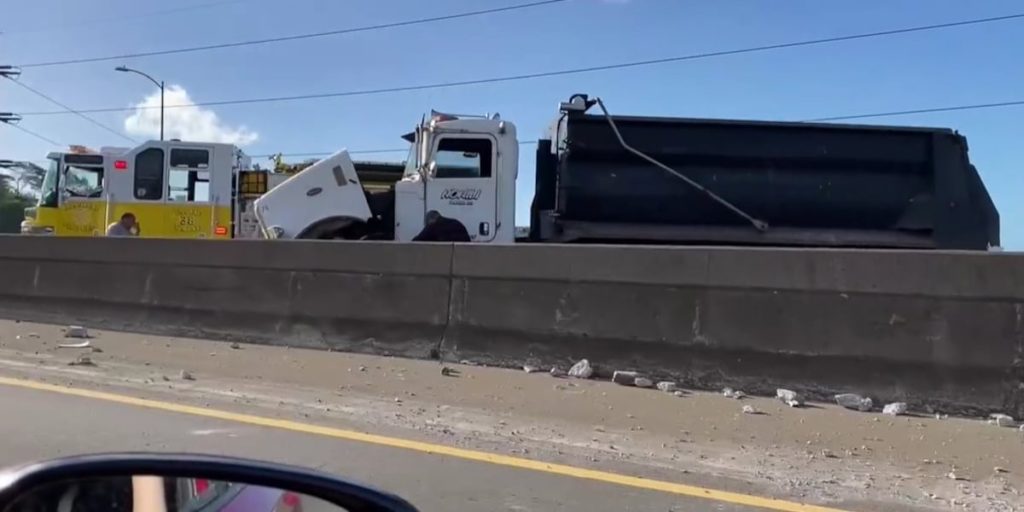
<point>814,184</point>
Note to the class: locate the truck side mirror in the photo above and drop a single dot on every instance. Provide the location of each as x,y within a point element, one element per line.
<point>432,169</point>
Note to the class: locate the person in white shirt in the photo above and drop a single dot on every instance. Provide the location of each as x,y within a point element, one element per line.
<point>124,227</point>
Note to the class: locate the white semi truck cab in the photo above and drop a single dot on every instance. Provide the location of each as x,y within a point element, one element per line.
<point>464,167</point>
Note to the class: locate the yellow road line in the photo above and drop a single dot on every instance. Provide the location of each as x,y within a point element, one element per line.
<point>473,455</point>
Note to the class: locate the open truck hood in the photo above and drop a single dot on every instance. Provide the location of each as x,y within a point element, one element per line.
<point>328,189</point>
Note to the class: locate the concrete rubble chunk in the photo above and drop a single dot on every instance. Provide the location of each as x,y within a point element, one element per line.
<point>789,397</point>
<point>557,372</point>
<point>530,369</point>
<point>854,401</point>
<point>626,378</point>
<point>235,345</point>
<point>667,386</point>
<point>186,375</point>
<point>749,409</point>
<point>679,393</point>
<point>895,408</point>
<point>81,344</point>
<point>82,360</point>
<point>581,370</point>
<point>76,331</point>
<point>643,382</point>
<point>733,393</point>
<point>1001,420</point>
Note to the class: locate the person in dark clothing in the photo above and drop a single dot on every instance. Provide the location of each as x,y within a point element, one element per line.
<point>438,228</point>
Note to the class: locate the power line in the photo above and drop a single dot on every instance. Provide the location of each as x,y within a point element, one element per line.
<point>817,120</point>
<point>34,134</point>
<point>71,110</point>
<point>325,153</point>
<point>921,111</point>
<point>295,37</point>
<point>561,72</point>
<point>358,151</point>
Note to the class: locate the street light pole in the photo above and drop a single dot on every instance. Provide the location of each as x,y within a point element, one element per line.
<point>160,84</point>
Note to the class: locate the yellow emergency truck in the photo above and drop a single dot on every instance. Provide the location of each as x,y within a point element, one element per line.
<point>175,189</point>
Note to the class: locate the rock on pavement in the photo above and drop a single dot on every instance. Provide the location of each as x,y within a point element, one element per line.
<point>789,397</point>
<point>854,401</point>
<point>895,408</point>
<point>625,378</point>
<point>76,331</point>
<point>581,370</point>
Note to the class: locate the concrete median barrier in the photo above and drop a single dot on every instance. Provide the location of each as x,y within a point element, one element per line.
<point>933,329</point>
<point>930,328</point>
<point>359,297</point>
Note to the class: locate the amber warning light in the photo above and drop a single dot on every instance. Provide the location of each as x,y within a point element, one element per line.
<point>120,165</point>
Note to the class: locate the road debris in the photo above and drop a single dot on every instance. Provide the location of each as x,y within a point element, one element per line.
<point>530,369</point>
<point>445,371</point>
<point>581,370</point>
<point>854,401</point>
<point>952,475</point>
<point>679,392</point>
<point>82,344</point>
<point>626,378</point>
<point>97,350</point>
<point>82,360</point>
<point>643,382</point>
<point>895,408</point>
<point>1001,420</point>
<point>789,397</point>
<point>557,372</point>
<point>733,393</point>
<point>234,345</point>
<point>185,375</point>
<point>749,409</point>
<point>998,469</point>
<point>667,386</point>
<point>76,331</point>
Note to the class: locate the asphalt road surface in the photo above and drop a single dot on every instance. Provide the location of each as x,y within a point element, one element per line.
<point>41,424</point>
<point>488,438</point>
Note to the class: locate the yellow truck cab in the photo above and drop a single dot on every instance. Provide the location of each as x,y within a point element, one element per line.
<point>174,189</point>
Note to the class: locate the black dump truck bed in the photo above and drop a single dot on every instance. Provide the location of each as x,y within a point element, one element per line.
<point>824,185</point>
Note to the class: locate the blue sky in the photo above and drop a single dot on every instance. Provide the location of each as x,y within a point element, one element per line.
<point>968,65</point>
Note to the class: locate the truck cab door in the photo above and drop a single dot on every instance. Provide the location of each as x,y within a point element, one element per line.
<point>462,183</point>
<point>82,210</point>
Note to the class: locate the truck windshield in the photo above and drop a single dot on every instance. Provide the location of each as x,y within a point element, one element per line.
<point>48,191</point>
<point>411,163</point>
<point>84,181</point>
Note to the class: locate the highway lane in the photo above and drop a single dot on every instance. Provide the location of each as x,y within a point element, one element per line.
<point>42,424</point>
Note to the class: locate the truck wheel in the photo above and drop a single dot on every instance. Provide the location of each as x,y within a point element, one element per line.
<point>341,228</point>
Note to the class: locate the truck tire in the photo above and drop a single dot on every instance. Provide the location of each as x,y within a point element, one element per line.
<point>337,228</point>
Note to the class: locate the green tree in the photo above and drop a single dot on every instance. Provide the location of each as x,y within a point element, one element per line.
<point>12,205</point>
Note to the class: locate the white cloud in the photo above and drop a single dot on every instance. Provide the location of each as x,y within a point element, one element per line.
<point>186,123</point>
